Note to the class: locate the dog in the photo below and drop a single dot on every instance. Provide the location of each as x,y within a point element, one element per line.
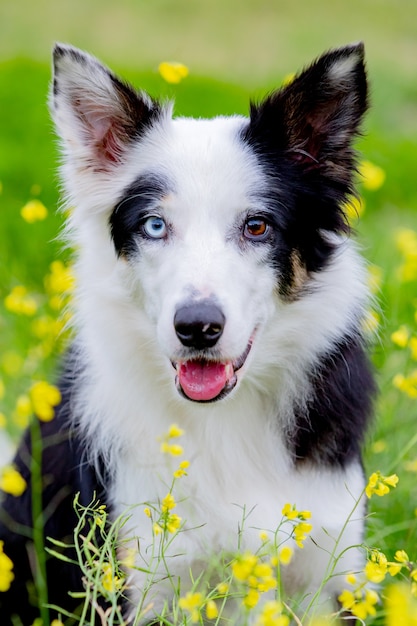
<point>218,289</point>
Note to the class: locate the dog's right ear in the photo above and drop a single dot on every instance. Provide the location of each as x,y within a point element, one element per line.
<point>96,114</point>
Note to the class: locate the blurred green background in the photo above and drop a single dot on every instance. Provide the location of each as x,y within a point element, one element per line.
<point>235,49</point>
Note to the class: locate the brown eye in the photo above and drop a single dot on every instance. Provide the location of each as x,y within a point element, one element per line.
<point>256,228</point>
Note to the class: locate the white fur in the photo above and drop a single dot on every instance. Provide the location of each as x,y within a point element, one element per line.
<point>124,312</point>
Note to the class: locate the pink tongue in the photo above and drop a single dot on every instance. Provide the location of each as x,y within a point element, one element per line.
<point>202,380</point>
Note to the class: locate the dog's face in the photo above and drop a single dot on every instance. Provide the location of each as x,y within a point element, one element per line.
<point>216,225</point>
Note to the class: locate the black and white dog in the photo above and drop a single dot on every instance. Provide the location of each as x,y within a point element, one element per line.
<point>218,288</point>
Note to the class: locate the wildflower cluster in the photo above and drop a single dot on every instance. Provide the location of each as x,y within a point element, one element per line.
<point>45,313</point>
<point>301,528</point>
<point>248,576</point>
<point>380,485</point>
<point>168,441</point>
<point>162,516</point>
<point>257,574</point>
<point>165,521</point>
<point>193,604</point>
<point>361,600</point>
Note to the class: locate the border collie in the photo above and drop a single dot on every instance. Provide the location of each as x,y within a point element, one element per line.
<point>219,289</point>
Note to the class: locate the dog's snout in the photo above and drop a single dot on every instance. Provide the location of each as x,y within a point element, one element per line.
<point>199,325</point>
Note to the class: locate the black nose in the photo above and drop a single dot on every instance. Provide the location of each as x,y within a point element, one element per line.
<point>199,325</point>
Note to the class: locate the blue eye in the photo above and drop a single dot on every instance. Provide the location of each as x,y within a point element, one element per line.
<point>155,227</point>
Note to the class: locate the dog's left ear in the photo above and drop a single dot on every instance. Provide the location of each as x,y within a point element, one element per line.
<point>314,119</point>
<point>96,114</point>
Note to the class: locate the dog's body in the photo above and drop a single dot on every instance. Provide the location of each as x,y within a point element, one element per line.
<point>218,289</point>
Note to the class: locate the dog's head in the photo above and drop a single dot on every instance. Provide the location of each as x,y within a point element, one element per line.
<point>215,228</point>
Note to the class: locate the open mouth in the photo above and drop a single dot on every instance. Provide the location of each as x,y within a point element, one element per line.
<point>204,380</point>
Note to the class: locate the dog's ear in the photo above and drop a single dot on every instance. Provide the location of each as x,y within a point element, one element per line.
<point>314,119</point>
<point>95,113</point>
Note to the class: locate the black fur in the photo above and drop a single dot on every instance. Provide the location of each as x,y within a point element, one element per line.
<point>128,215</point>
<point>331,428</point>
<point>302,136</point>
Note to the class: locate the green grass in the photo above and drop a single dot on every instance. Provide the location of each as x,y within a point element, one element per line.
<point>28,158</point>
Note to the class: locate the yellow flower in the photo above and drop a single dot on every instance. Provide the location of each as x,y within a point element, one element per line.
<point>173,72</point>
<point>376,568</point>
<point>373,176</point>
<point>300,533</point>
<point>175,431</point>
<point>192,603</point>
<point>34,211</point>
<point>380,485</point>
<point>44,398</point>
<point>60,279</point>
<point>401,336</point>
<point>6,566</point>
<point>251,599</point>
<point>290,511</point>
<point>285,555</point>
<point>366,606</point>
<point>271,615</point>
<point>173,523</point>
<point>57,622</point>
<point>171,448</point>
<point>402,559</point>
<point>400,606</point>
<point>212,611</point>
<point>379,446</point>
<point>401,556</point>
<point>407,385</point>
<point>347,599</point>
<point>360,603</point>
<point>222,588</point>
<point>109,580</point>
<point>243,566</point>
<point>20,302</point>
<point>11,481</point>
<point>168,503</point>
<point>181,471</point>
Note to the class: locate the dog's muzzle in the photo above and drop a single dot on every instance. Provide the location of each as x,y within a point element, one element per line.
<point>199,326</point>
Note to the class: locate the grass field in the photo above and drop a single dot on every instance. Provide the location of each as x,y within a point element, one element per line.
<point>234,50</point>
